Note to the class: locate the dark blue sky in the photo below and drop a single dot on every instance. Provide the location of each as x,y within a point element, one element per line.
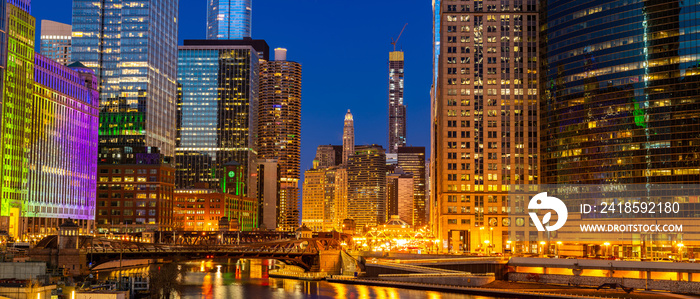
<point>343,48</point>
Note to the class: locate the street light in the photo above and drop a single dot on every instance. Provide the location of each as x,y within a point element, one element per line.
<point>606,244</point>
<point>558,244</point>
<point>542,243</point>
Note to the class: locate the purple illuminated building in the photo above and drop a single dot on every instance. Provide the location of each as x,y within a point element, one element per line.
<point>62,156</point>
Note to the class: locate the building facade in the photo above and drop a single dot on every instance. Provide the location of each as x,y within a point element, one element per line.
<point>399,196</point>
<point>485,121</point>
<point>135,191</point>
<point>619,107</point>
<point>62,164</point>
<point>314,197</point>
<point>229,19</point>
<point>397,110</point>
<point>201,210</point>
<point>268,193</point>
<point>367,186</point>
<point>133,49</point>
<point>56,41</point>
<point>217,111</point>
<point>18,90</point>
<point>279,128</point>
<point>329,155</point>
<point>412,160</point>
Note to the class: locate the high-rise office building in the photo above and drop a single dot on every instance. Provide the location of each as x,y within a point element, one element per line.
<point>348,137</point>
<point>367,186</point>
<point>279,128</point>
<point>56,41</point>
<point>133,49</point>
<point>217,111</point>
<point>399,195</point>
<point>313,203</point>
<point>645,105</point>
<point>397,110</point>
<point>619,107</point>
<point>329,155</point>
<point>411,159</point>
<point>484,102</point>
<point>229,19</point>
<point>18,90</point>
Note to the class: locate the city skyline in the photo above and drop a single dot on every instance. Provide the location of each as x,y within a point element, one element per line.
<point>368,70</point>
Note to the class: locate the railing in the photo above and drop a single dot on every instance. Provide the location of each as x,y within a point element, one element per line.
<point>439,275</point>
<point>298,274</point>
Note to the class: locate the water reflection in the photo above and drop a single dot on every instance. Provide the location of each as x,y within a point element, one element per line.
<point>212,279</point>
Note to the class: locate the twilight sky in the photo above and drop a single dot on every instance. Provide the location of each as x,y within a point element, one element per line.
<point>343,49</point>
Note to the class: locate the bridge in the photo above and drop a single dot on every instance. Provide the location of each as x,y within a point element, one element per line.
<point>309,254</point>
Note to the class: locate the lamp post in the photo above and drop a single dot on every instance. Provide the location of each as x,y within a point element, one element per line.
<point>542,245</point>
<point>558,245</point>
<point>606,244</point>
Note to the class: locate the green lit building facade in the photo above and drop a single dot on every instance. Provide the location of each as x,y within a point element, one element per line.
<point>16,113</point>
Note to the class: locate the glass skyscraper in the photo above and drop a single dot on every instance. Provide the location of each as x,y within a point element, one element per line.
<point>621,92</point>
<point>132,46</point>
<point>228,19</point>
<point>217,111</point>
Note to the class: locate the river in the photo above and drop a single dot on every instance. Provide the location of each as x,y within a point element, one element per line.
<point>213,279</point>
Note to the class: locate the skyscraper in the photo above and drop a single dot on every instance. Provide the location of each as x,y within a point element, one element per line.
<point>279,128</point>
<point>348,137</point>
<point>607,120</point>
<point>18,90</point>
<point>56,41</point>
<point>484,118</point>
<point>411,159</point>
<point>313,208</point>
<point>367,186</point>
<point>217,111</point>
<point>133,49</point>
<point>399,195</point>
<point>397,110</point>
<point>228,19</point>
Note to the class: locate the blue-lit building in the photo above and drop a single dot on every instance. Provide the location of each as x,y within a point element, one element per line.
<point>228,19</point>
<point>621,94</point>
<point>217,111</point>
<point>132,46</point>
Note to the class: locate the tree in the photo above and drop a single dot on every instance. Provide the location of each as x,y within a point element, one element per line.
<point>165,280</point>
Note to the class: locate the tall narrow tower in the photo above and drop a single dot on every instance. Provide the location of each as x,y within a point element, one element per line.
<point>279,117</point>
<point>348,137</point>
<point>397,110</point>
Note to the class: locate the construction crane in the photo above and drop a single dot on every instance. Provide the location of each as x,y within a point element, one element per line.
<point>393,42</point>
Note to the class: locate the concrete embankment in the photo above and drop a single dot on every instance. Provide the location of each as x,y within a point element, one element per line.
<point>449,288</point>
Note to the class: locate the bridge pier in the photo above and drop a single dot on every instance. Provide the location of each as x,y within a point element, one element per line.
<point>329,261</point>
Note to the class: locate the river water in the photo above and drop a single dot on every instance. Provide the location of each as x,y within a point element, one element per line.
<point>213,279</point>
